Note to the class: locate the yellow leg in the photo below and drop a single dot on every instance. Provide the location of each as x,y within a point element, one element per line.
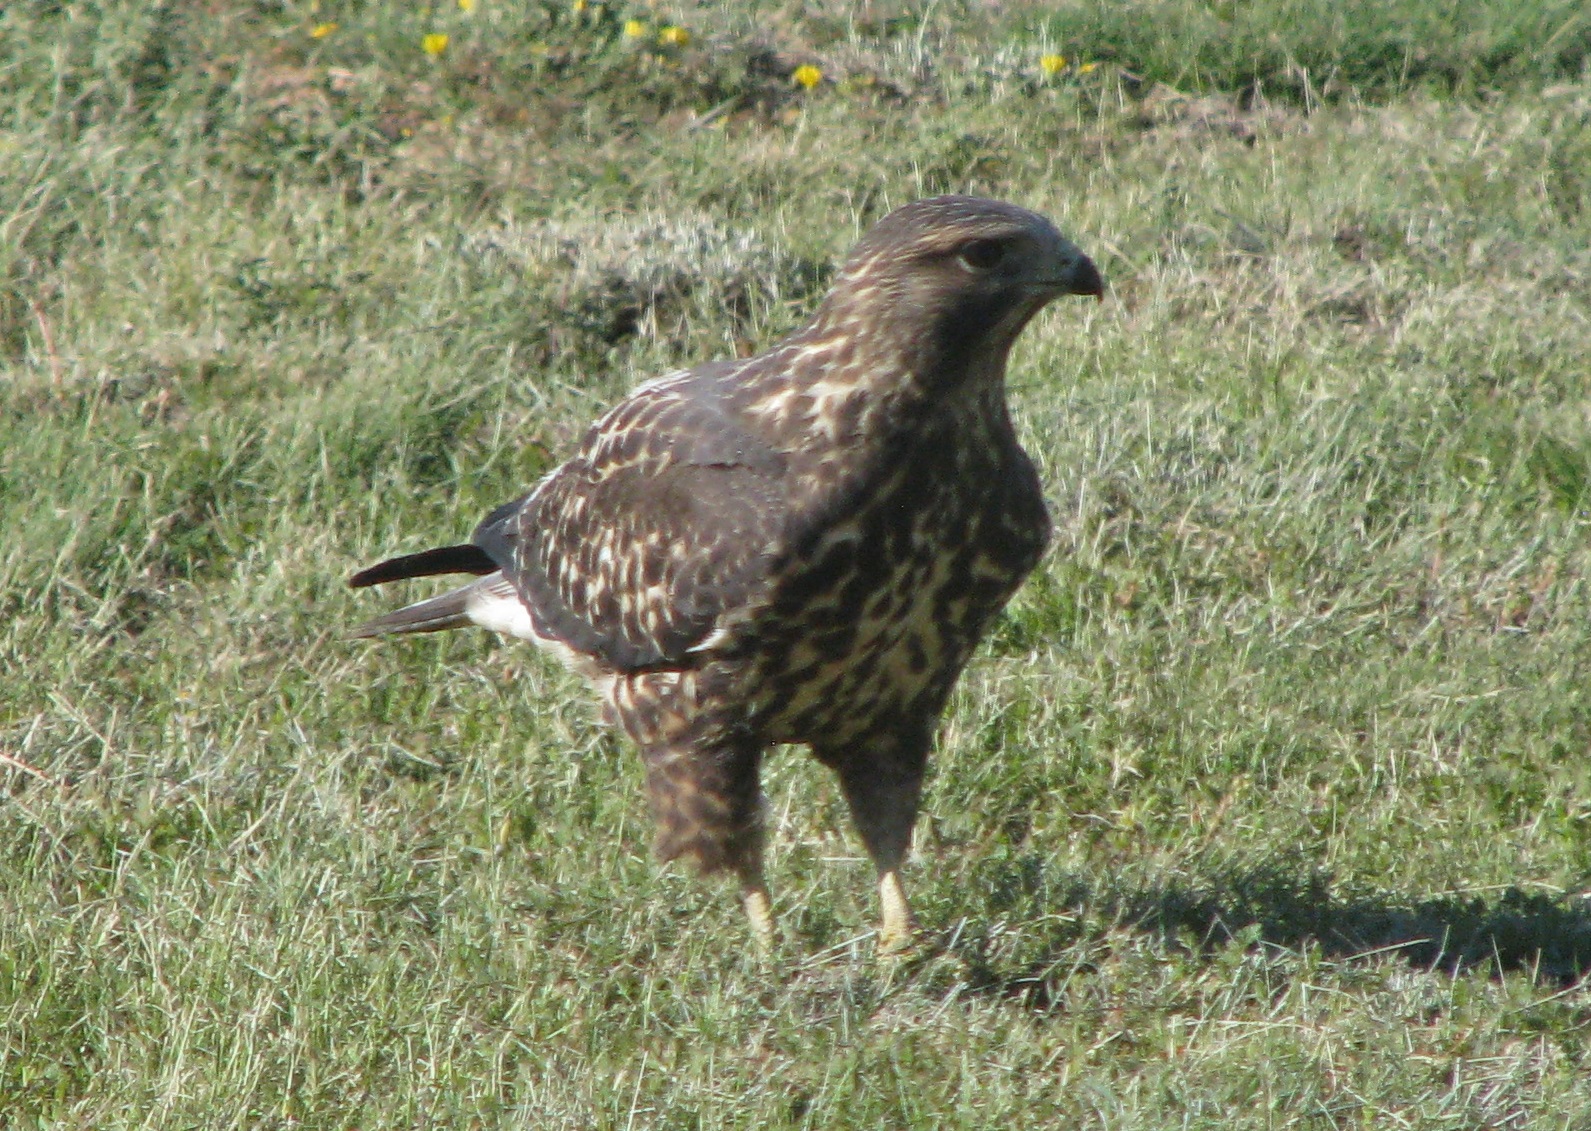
<point>898,926</point>
<point>759,909</point>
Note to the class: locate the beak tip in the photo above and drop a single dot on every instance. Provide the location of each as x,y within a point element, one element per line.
<point>1088,280</point>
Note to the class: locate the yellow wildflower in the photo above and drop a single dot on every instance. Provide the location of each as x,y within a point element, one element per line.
<point>321,31</point>
<point>673,36</point>
<point>434,44</point>
<point>466,5</point>
<point>634,29</point>
<point>807,75</point>
<point>1052,64</point>
<point>578,6</point>
<point>1087,67</point>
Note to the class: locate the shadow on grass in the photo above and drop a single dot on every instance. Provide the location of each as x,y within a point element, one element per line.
<point>1547,935</point>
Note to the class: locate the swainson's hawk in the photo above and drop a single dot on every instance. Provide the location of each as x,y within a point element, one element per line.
<point>803,546</point>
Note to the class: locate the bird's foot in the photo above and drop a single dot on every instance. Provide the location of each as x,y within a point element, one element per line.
<point>897,933</point>
<point>759,911</point>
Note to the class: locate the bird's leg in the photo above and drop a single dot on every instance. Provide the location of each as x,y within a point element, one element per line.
<point>759,907</point>
<point>743,856</point>
<point>898,925</point>
<point>707,803</point>
<point>882,787</point>
<point>884,813</point>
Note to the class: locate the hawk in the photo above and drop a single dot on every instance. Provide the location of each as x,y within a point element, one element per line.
<point>800,547</point>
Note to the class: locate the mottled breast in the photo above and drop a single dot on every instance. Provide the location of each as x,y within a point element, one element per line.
<point>876,613</point>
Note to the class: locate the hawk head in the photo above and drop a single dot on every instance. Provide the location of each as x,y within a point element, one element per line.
<point>956,276</point>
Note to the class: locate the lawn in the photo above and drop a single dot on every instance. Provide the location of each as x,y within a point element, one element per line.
<point>1266,805</point>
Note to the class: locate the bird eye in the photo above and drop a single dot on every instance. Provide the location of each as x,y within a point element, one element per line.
<point>982,255</point>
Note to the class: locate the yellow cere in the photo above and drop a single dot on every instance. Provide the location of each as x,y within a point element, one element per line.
<point>673,36</point>
<point>434,44</point>
<point>807,75</point>
<point>1052,64</point>
<point>321,31</point>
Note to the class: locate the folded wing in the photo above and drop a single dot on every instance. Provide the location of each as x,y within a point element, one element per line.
<point>663,525</point>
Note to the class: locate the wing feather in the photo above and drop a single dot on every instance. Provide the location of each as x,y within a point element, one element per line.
<point>664,523</point>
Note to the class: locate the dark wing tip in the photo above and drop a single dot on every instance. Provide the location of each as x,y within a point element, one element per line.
<point>465,558</point>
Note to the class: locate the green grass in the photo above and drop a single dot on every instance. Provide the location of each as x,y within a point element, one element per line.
<point>1267,805</point>
<point>1310,48</point>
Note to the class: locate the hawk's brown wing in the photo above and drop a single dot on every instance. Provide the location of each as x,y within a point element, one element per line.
<point>664,522</point>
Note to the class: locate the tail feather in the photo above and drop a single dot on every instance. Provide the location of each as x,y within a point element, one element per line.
<point>466,558</point>
<point>435,614</point>
<point>490,602</point>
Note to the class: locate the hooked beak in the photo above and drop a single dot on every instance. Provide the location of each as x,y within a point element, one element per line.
<point>1078,276</point>
<point>1086,280</point>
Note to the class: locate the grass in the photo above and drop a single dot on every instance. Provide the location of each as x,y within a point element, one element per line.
<point>1265,806</point>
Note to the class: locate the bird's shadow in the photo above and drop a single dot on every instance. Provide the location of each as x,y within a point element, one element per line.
<point>1513,929</point>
